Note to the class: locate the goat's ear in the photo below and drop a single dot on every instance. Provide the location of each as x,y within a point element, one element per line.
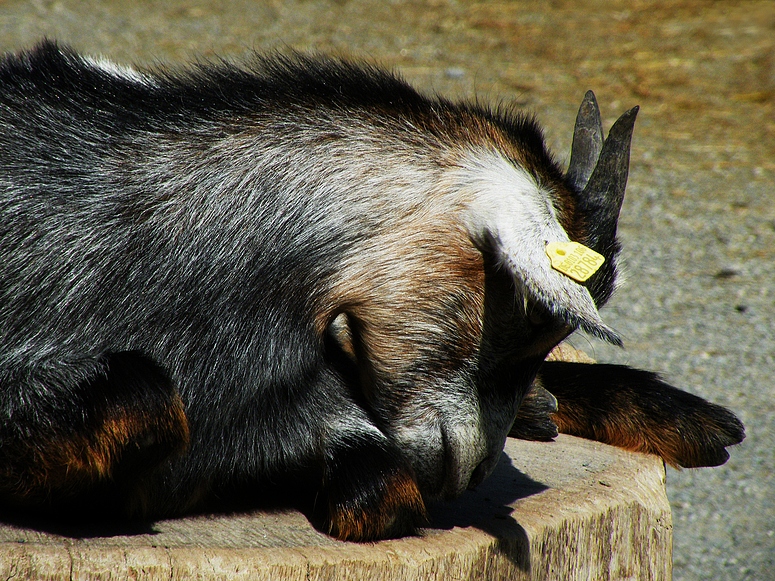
<point>513,216</point>
<point>562,297</point>
<point>597,173</point>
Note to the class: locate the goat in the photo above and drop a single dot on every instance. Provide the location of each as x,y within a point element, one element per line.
<point>298,273</point>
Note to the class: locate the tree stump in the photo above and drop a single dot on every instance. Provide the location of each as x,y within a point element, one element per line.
<point>563,510</point>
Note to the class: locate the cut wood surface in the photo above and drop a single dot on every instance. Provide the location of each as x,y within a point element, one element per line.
<point>569,509</point>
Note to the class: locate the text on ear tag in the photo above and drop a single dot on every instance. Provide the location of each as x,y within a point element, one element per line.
<point>574,260</point>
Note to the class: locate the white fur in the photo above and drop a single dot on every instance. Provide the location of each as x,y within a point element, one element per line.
<point>117,70</point>
<point>510,210</point>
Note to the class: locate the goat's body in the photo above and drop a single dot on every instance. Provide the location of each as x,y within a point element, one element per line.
<point>291,260</point>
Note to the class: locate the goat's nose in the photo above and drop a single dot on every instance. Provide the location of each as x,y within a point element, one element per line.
<point>479,473</point>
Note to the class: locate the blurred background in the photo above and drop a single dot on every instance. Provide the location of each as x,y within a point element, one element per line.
<point>698,223</point>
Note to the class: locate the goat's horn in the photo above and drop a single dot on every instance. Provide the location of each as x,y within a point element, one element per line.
<point>604,192</point>
<point>587,142</point>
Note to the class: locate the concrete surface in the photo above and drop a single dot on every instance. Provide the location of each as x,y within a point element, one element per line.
<point>698,224</point>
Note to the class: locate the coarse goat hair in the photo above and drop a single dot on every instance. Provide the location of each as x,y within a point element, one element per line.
<point>231,281</point>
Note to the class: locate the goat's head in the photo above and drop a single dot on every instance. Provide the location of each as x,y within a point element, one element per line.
<point>482,305</point>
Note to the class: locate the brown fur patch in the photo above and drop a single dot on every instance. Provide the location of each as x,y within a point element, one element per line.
<point>398,513</point>
<point>68,463</point>
<point>418,288</point>
<point>625,428</point>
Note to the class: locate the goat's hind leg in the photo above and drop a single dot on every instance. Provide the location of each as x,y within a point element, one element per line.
<point>636,410</point>
<point>70,432</point>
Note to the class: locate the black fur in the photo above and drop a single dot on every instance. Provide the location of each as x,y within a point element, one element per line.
<point>170,246</point>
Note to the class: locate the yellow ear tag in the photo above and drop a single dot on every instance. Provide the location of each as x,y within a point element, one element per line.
<point>574,260</point>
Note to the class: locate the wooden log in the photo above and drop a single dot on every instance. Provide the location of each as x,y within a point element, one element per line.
<point>569,509</point>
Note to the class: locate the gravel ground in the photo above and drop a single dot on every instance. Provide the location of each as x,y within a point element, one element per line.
<point>698,225</point>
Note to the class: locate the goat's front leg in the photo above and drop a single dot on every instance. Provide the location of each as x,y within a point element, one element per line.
<point>370,492</point>
<point>631,409</point>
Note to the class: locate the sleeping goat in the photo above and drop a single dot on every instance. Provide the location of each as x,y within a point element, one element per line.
<point>299,273</point>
